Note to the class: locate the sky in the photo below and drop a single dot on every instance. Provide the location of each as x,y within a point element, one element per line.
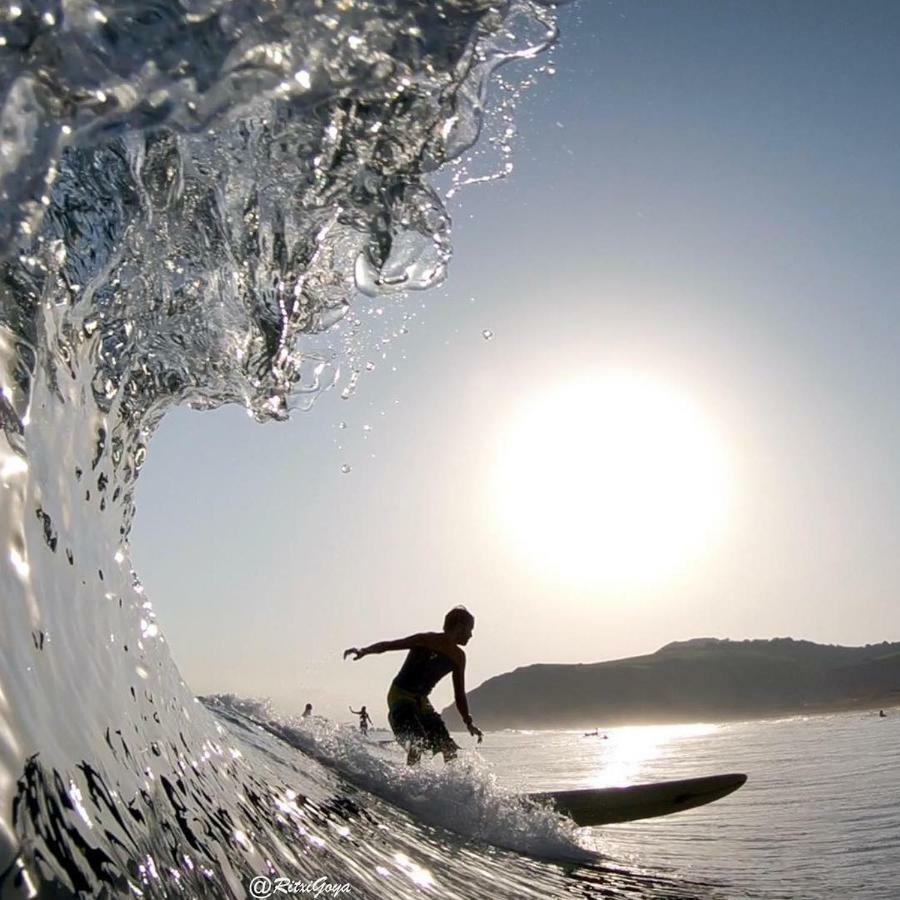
<point>706,200</point>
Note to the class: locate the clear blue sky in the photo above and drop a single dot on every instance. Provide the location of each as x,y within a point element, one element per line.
<point>706,193</point>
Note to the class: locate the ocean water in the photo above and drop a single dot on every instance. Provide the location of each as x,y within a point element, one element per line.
<point>195,199</point>
<point>819,816</point>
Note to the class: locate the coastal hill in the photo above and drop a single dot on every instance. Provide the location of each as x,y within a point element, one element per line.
<point>694,680</point>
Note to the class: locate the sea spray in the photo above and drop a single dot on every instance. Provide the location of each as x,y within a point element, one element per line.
<point>464,797</point>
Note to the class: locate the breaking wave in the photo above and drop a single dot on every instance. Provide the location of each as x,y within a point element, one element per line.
<point>192,193</point>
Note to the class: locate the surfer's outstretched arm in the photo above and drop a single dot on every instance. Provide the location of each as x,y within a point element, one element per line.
<point>462,703</point>
<point>407,643</point>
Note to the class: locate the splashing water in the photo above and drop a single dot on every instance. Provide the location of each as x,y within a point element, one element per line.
<point>191,194</point>
<point>464,798</point>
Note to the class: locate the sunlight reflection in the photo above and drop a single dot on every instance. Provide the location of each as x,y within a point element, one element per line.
<point>418,875</point>
<point>622,757</point>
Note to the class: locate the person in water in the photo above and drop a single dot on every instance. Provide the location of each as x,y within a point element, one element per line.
<point>307,711</point>
<point>431,656</point>
<point>365,720</point>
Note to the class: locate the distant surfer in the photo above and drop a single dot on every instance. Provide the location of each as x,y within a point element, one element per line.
<point>365,720</point>
<point>307,711</point>
<point>431,656</point>
<point>881,714</point>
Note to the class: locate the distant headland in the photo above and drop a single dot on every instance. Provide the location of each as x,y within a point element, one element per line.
<point>687,681</point>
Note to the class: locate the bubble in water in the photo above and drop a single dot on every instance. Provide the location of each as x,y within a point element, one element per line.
<point>350,389</point>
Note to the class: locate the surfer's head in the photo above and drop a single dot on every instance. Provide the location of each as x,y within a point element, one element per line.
<point>459,623</point>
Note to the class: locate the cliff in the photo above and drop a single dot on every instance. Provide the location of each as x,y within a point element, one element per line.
<point>700,679</point>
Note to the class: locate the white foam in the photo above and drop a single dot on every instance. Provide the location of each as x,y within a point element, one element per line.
<point>464,796</point>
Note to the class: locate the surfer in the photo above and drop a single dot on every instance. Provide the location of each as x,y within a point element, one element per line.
<point>431,656</point>
<point>881,714</point>
<point>365,720</point>
<point>307,711</point>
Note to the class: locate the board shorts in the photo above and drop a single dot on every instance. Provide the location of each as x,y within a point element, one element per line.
<point>416,724</point>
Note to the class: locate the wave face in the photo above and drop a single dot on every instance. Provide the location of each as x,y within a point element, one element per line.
<point>189,191</point>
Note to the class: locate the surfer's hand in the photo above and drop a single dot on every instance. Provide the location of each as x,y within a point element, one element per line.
<point>357,654</point>
<point>474,731</point>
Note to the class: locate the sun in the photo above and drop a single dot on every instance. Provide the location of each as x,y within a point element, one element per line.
<point>611,479</point>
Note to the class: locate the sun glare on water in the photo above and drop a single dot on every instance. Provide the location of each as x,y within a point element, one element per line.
<point>612,480</point>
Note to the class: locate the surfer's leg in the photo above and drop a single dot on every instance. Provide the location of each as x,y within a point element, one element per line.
<point>450,752</point>
<point>407,727</point>
<point>414,754</point>
<point>437,737</point>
